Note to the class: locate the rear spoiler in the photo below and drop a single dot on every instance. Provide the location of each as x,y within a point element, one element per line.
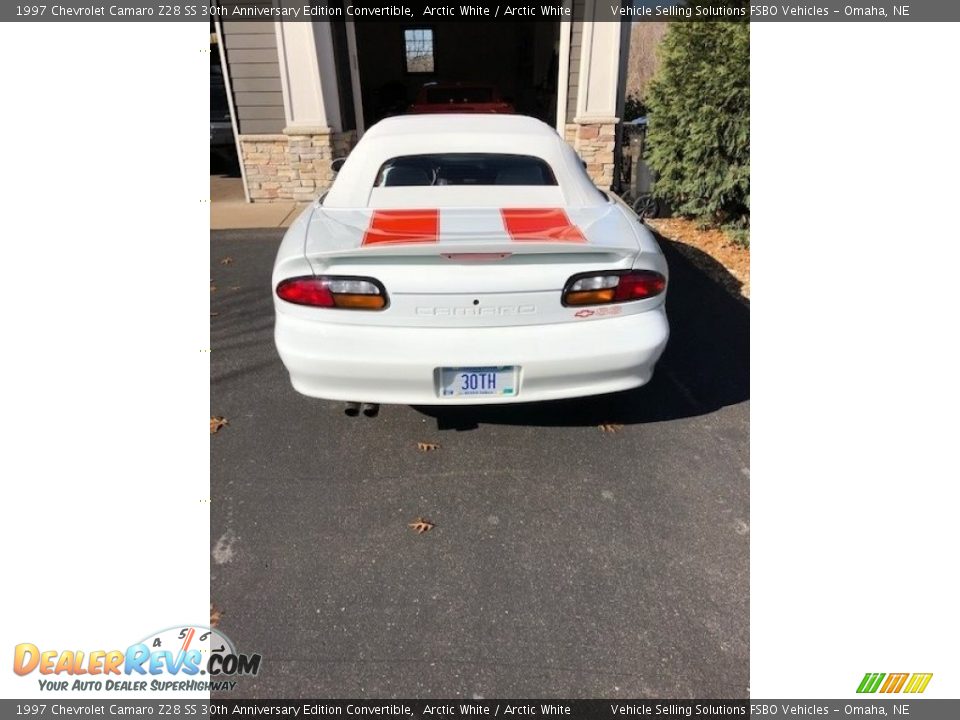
<point>478,248</point>
<point>599,232</point>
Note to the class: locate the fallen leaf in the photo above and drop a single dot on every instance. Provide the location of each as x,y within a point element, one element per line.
<point>227,260</point>
<point>610,427</point>
<point>215,616</point>
<point>427,446</point>
<point>217,422</point>
<point>213,288</point>
<point>421,525</point>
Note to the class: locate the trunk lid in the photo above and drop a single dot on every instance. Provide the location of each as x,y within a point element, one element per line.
<point>463,267</point>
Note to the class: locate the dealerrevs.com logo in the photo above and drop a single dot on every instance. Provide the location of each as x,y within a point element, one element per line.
<point>182,659</point>
<point>894,682</point>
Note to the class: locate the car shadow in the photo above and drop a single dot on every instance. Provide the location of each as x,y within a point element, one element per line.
<point>705,367</point>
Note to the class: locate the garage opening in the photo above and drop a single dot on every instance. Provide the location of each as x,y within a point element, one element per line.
<point>518,61</point>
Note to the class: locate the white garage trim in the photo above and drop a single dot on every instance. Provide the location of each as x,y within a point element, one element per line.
<point>308,76</point>
<point>599,69</point>
<point>563,70</point>
<point>355,77</point>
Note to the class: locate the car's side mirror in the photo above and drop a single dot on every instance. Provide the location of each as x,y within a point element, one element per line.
<point>337,164</point>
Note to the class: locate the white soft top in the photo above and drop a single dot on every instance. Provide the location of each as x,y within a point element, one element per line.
<point>461,133</point>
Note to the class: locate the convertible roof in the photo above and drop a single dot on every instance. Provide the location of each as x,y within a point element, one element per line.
<point>459,133</point>
<point>456,123</point>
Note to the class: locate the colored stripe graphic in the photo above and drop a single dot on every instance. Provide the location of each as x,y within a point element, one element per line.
<point>402,226</point>
<point>918,682</point>
<point>894,682</point>
<point>540,225</point>
<point>870,682</point>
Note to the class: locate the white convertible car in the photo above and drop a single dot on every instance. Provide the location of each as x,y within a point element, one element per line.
<point>466,259</point>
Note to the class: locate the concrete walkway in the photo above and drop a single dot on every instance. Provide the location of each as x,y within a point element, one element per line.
<point>229,210</point>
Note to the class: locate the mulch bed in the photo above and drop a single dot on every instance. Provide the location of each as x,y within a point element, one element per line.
<point>731,262</point>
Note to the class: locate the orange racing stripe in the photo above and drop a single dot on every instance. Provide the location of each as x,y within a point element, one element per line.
<point>540,225</point>
<point>402,226</point>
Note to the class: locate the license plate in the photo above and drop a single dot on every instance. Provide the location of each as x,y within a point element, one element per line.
<point>455,382</point>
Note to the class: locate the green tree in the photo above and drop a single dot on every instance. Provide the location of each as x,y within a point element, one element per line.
<point>699,122</point>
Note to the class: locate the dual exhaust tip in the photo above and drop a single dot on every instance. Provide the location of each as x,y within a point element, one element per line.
<point>353,409</point>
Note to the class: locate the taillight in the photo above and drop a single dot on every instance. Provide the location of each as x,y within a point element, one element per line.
<point>613,287</point>
<point>330,291</point>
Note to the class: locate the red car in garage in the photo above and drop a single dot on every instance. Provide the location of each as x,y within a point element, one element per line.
<point>460,98</point>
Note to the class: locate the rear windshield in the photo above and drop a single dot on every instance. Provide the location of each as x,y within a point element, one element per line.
<point>464,169</point>
<point>460,95</point>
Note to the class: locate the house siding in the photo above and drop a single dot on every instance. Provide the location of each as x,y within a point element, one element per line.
<point>251,51</point>
<point>344,81</point>
<point>573,82</point>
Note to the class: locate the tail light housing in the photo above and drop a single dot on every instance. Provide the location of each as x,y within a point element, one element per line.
<point>334,291</point>
<point>616,286</point>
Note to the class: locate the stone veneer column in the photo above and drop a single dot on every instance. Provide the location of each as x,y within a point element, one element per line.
<point>595,144</point>
<point>294,165</point>
<point>594,127</point>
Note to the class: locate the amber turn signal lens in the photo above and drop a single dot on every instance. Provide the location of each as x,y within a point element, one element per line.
<point>590,297</point>
<point>359,302</point>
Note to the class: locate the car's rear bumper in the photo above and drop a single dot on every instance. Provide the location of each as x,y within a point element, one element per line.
<point>398,365</point>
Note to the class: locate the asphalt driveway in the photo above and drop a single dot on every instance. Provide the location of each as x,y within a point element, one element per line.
<point>565,561</point>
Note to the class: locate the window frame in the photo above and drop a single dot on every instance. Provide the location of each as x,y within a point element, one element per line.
<point>433,40</point>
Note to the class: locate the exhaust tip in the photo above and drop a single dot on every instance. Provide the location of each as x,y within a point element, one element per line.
<point>371,409</point>
<point>351,409</point>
